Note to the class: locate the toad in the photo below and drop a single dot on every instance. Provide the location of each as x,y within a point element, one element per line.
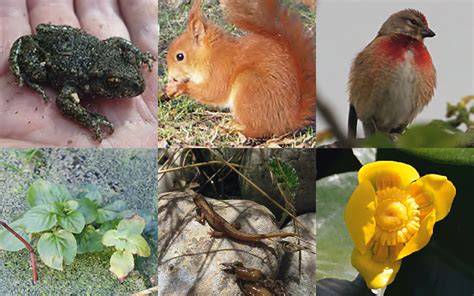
<point>79,65</point>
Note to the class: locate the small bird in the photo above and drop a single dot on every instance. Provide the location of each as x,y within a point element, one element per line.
<point>393,78</point>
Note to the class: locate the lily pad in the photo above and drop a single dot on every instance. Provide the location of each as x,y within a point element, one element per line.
<point>334,244</point>
<point>460,156</point>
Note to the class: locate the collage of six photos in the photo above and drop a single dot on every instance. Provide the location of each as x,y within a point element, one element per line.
<point>181,147</point>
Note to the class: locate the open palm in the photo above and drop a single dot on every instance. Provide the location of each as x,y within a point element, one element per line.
<point>27,121</point>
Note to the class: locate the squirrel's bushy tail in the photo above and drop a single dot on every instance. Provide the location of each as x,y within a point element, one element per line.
<point>269,17</point>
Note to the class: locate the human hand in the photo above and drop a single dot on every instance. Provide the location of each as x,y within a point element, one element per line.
<point>27,121</point>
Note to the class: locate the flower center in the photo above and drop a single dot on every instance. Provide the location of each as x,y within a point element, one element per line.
<point>391,214</point>
<point>397,219</point>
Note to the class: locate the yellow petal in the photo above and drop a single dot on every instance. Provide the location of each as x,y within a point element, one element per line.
<point>442,192</point>
<point>376,275</point>
<point>359,215</point>
<point>421,238</point>
<point>383,174</point>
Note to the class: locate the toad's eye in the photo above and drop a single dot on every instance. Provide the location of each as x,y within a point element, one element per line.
<point>180,56</point>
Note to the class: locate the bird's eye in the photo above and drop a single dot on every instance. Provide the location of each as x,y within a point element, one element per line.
<point>180,56</point>
<point>412,23</point>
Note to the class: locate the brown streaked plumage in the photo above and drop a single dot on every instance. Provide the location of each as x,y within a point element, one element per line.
<point>393,78</point>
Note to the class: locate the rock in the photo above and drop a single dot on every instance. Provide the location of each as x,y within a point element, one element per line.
<point>304,284</point>
<point>255,163</point>
<point>189,260</point>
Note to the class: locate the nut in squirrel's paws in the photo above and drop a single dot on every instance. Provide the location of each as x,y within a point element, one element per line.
<point>175,88</point>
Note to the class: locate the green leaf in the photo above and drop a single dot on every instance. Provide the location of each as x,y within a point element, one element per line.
<point>121,263</point>
<point>89,241</point>
<point>112,224</point>
<point>73,221</point>
<point>56,247</point>
<point>460,156</point>
<point>285,174</point>
<point>365,155</point>
<point>135,224</point>
<point>44,192</point>
<point>8,241</point>
<point>377,140</point>
<point>91,192</point>
<point>88,209</point>
<point>127,236</point>
<point>110,211</point>
<point>139,244</point>
<point>70,205</point>
<point>111,238</point>
<point>334,243</point>
<point>435,134</point>
<point>40,218</point>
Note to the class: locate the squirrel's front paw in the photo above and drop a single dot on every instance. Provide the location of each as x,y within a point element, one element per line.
<point>174,88</point>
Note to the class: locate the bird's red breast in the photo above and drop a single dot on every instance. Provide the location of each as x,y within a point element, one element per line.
<point>395,47</point>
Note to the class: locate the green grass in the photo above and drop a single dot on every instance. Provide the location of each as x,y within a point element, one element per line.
<point>184,122</point>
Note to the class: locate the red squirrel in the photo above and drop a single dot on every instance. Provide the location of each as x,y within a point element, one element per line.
<point>267,77</point>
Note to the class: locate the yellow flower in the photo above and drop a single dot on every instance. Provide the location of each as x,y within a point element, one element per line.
<point>391,214</point>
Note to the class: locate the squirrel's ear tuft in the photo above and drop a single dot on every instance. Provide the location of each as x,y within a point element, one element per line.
<point>197,22</point>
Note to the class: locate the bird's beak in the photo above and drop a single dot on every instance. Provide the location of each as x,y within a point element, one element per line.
<point>427,32</point>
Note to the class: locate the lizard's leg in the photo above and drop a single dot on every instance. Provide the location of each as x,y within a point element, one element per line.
<point>216,234</point>
<point>201,218</point>
<point>236,225</point>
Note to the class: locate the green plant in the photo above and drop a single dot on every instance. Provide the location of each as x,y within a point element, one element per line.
<point>287,181</point>
<point>64,225</point>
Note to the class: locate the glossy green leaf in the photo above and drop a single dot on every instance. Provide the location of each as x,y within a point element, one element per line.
<point>121,264</point>
<point>89,241</point>
<point>112,238</point>
<point>8,241</point>
<point>91,192</point>
<point>434,134</point>
<point>44,192</point>
<point>127,236</point>
<point>88,209</point>
<point>334,245</point>
<point>139,244</point>
<point>365,155</point>
<point>460,156</point>
<point>73,221</point>
<point>40,218</point>
<point>110,211</point>
<point>134,224</point>
<point>56,248</point>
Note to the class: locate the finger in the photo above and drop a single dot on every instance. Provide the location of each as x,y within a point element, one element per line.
<point>59,12</point>
<point>13,24</point>
<point>101,18</point>
<point>141,20</point>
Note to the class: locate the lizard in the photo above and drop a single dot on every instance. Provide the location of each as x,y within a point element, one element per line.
<point>223,228</point>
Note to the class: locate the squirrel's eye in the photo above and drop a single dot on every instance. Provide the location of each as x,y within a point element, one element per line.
<point>180,57</point>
